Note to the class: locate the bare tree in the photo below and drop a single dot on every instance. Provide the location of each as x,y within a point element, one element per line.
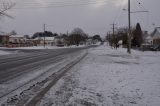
<point>77,36</point>
<point>5,5</point>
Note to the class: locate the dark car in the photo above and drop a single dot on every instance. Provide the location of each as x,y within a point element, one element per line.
<point>155,48</point>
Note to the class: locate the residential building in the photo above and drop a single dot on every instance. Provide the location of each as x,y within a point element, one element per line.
<point>17,41</point>
<point>4,39</point>
<point>50,41</point>
<point>145,35</point>
<point>154,37</point>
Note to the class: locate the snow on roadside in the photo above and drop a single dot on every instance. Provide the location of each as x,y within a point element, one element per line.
<point>4,52</point>
<point>108,77</point>
<point>46,47</point>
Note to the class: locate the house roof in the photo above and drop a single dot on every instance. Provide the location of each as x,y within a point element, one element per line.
<point>16,36</point>
<point>4,34</point>
<point>156,33</point>
<point>49,38</point>
<point>46,38</point>
<point>158,28</point>
<point>1,33</point>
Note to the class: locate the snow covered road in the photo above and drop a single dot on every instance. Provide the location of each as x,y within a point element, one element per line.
<point>25,70</point>
<point>15,65</point>
<point>108,77</point>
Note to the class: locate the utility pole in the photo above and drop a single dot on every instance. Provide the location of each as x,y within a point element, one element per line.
<point>129,26</point>
<point>44,26</point>
<point>113,28</point>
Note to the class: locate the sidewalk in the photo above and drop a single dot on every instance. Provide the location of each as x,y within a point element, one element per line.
<point>108,77</point>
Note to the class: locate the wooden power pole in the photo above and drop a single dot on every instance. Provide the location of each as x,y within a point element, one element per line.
<point>129,26</point>
<point>113,28</point>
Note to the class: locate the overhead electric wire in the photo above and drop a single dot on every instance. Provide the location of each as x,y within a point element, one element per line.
<point>37,4</point>
<point>60,4</point>
<point>148,13</point>
<point>119,12</point>
<point>68,1</point>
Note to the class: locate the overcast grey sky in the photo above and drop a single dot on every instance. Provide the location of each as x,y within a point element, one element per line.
<point>93,16</point>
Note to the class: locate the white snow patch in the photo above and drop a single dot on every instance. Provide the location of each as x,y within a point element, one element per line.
<point>4,52</point>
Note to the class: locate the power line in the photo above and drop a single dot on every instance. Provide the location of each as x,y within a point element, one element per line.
<point>119,13</point>
<point>59,2</point>
<point>61,5</point>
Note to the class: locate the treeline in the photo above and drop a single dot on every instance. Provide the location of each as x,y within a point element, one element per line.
<point>76,37</point>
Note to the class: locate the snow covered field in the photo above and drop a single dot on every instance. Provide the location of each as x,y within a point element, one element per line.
<point>108,77</point>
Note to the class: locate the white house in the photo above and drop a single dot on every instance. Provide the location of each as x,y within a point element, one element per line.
<point>154,37</point>
<point>48,40</point>
<point>17,39</point>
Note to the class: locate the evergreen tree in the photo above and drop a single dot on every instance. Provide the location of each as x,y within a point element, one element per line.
<point>137,36</point>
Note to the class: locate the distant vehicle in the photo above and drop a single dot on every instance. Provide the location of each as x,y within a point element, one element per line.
<point>146,47</point>
<point>60,45</point>
<point>155,48</point>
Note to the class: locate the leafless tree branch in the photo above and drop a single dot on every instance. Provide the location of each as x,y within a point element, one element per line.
<point>4,6</point>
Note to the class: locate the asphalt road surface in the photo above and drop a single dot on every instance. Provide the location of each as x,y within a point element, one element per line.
<point>12,66</point>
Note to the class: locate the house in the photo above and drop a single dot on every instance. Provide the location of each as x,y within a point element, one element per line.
<point>60,41</point>
<point>4,39</point>
<point>154,37</point>
<point>144,36</point>
<point>17,41</point>
<point>50,41</point>
<point>89,41</point>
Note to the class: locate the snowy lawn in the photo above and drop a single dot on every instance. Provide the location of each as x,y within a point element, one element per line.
<point>108,77</point>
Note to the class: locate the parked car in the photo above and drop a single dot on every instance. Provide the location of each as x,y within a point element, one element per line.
<point>155,48</point>
<point>60,45</point>
<point>146,47</point>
